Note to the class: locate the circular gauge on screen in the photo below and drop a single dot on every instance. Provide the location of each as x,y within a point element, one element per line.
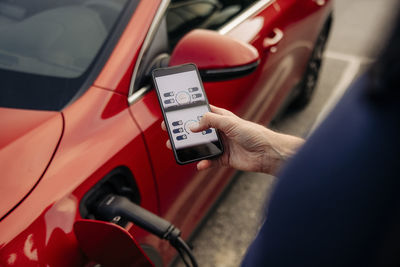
<point>182,98</point>
<point>187,125</point>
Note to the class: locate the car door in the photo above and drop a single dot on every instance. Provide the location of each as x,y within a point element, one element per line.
<point>284,33</point>
<point>185,194</point>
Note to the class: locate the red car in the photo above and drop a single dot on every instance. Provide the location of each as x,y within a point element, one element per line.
<point>79,117</point>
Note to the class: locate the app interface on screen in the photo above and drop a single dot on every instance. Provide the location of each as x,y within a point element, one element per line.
<point>184,104</point>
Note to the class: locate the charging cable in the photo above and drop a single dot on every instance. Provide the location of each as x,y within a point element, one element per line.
<point>113,206</point>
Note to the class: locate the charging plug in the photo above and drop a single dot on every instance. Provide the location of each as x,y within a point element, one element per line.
<point>114,205</point>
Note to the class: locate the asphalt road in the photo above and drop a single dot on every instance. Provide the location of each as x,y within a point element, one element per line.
<point>359,32</point>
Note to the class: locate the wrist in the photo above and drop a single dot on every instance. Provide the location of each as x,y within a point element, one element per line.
<point>279,148</point>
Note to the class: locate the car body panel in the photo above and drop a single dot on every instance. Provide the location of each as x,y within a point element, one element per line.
<point>282,65</point>
<point>43,221</point>
<point>28,140</point>
<point>103,132</point>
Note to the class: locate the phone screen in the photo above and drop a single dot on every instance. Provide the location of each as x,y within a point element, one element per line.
<point>184,102</point>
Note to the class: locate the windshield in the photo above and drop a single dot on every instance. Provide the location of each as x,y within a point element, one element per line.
<point>47,48</point>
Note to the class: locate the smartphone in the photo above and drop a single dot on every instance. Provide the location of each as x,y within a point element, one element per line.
<point>183,102</point>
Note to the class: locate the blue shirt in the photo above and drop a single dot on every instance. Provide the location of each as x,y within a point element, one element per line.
<point>337,202</point>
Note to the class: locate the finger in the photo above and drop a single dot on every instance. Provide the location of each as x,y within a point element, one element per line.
<point>163,127</point>
<point>212,120</point>
<point>221,111</point>
<point>168,144</point>
<point>204,164</point>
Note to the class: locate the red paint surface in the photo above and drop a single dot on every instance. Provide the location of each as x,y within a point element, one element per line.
<point>27,143</point>
<point>114,247</point>
<point>99,136</point>
<point>117,72</point>
<point>100,132</point>
<point>211,50</point>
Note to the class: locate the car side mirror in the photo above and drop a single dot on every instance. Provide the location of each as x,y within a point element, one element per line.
<point>218,57</point>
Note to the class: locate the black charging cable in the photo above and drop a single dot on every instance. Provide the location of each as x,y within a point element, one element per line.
<point>113,206</point>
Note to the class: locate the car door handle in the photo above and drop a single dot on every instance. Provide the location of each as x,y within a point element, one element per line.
<point>271,42</point>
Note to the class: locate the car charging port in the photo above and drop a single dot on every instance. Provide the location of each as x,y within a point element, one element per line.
<point>119,182</point>
<point>113,206</point>
<point>116,199</point>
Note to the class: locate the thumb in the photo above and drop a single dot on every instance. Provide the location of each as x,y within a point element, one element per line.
<point>210,120</point>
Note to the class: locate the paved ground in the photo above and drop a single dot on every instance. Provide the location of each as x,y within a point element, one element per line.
<point>359,32</point>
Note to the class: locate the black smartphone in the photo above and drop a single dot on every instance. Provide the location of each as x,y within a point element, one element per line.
<point>183,102</point>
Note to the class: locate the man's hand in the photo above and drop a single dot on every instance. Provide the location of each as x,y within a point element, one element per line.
<point>248,146</point>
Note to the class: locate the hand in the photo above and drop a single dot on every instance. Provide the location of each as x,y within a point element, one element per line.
<point>248,146</point>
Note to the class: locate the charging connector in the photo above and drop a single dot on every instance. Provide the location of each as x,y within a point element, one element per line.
<point>112,206</point>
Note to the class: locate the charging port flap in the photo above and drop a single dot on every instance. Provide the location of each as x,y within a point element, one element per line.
<point>108,244</point>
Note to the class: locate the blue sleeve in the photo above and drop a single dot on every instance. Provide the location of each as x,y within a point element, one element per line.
<point>337,202</point>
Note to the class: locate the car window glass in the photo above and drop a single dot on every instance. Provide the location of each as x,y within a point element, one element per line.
<point>55,38</point>
<point>184,16</point>
<point>47,48</point>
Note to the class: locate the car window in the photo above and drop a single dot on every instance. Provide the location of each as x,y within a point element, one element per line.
<point>184,16</point>
<point>46,47</point>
